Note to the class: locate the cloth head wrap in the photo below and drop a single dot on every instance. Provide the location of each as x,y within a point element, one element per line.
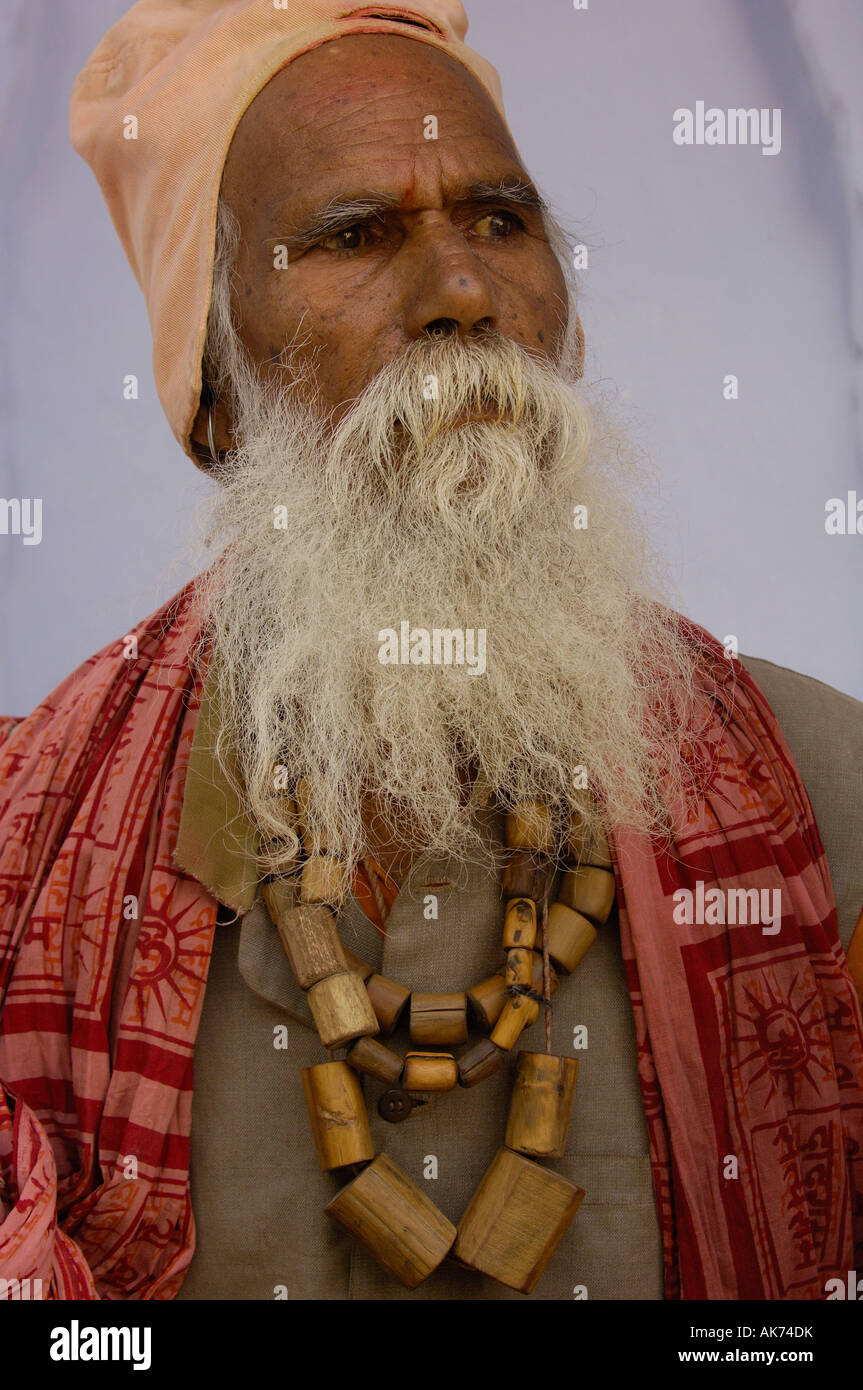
<point>186,71</point>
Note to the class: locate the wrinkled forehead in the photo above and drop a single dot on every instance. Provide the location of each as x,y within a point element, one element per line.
<point>365,105</point>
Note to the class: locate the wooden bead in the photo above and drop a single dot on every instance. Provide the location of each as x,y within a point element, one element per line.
<point>438,1019</point>
<point>515,1220</point>
<point>359,966</point>
<point>322,879</point>
<point>529,826</point>
<point>519,967</point>
<point>341,1009</point>
<point>570,937</point>
<point>585,849</point>
<point>519,928</point>
<point>429,1071</point>
<point>517,1014</point>
<point>388,999</point>
<point>486,1000</point>
<point>373,1059</point>
<point>307,933</point>
<point>281,897</point>
<point>337,1111</point>
<point>395,1221</point>
<point>524,876</point>
<point>589,891</point>
<point>540,1105</point>
<point>479,1062</point>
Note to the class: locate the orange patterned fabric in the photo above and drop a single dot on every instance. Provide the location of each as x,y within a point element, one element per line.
<point>366,896</point>
<point>750,1044</point>
<point>104,949</point>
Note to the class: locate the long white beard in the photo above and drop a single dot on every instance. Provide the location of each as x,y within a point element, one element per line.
<point>397,514</point>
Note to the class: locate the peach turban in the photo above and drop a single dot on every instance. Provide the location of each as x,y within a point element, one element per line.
<point>154,111</point>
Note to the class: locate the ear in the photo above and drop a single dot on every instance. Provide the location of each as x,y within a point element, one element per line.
<point>223,432</point>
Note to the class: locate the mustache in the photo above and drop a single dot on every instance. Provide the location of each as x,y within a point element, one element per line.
<point>446,391</point>
<point>443,379</point>
<point>470,385</point>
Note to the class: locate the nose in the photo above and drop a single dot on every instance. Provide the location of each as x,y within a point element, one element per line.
<point>448,289</point>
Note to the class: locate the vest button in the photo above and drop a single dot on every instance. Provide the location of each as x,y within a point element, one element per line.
<point>395,1105</point>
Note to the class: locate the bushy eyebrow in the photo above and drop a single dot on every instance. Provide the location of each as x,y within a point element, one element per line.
<point>513,192</point>
<point>341,212</point>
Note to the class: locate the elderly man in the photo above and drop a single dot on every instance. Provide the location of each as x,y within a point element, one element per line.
<point>300,876</point>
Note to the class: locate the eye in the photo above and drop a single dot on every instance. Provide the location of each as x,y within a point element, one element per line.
<point>352,238</point>
<point>497,225</point>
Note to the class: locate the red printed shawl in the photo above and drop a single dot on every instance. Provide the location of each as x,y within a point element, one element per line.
<point>750,1045</point>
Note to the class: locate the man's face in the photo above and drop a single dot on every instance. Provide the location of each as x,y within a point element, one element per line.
<point>431,246</point>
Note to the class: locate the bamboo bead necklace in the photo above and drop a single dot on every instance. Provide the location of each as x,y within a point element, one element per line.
<point>520,1211</point>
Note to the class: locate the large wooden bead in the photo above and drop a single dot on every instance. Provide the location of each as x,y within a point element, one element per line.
<point>570,937</point>
<point>529,826</point>
<point>515,1220</point>
<point>337,1111</point>
<point>590,891</point>
<point>517,1014</point>
<point>479,1062</point>
<point>322,879</point>
<point>373,1059</point>
<point>519,927</point>
<point>307,933</point>
<point>341,1009</point>
<point>486,1000</point>
<point>395,1221</point>
<point>586,849</point>
<point>429,1071</point>
<point>524,876</point>
<point>388,999</point>
<point>438,1019</point>
<point>540,1105</point>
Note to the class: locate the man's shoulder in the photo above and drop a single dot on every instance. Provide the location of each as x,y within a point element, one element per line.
<point>824,730</point>
<point>796,692</point>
